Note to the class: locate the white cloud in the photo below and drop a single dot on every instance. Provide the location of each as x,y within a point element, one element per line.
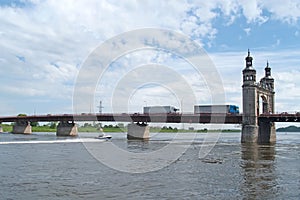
<point>252,10</point>
<point>247,30</point>
<point>276,43</point>
<point>54,38</point>
<point>286,12</point>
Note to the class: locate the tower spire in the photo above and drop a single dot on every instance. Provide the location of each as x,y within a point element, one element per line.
<point>268,71</point>
<point>249,73</point>
<point>248,61</point>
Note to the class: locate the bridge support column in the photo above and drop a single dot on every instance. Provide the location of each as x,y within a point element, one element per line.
<point>249,133</point>
<point>22,127</point>
<point>138,131</point>
<point>267,132</point>
<point>1,129</point>
<point>66,129</point>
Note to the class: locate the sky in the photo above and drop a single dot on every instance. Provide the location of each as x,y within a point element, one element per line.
<point>45,45</point>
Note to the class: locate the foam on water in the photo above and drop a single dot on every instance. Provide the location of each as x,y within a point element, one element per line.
<point>77,140</point>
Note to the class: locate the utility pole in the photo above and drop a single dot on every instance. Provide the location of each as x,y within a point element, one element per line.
<point>100,107</point>
<point>181,105</point>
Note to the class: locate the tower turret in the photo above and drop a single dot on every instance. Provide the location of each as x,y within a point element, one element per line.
<point>267,81</point>
<point>268,71</point>
<point>248,60</point>
<point>249,73</point>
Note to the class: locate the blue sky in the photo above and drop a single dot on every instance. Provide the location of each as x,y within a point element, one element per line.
<point>44,44</point>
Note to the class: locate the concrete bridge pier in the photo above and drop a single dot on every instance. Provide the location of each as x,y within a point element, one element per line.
<point>138,131</point>
<point>66,129</point>
<point>249,133</point>
<point>22,127</point>
<point>267,132</point>
<point>1,129</point>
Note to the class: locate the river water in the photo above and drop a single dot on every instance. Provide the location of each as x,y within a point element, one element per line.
<point>43,166</point>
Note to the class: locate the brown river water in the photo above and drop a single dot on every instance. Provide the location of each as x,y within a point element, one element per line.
<point>43,166</point>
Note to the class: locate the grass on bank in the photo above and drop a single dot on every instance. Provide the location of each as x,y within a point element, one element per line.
<point>46,128</point>
<point>6,127</point>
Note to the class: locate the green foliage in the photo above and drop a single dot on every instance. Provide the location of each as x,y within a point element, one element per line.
<point>164,129</point>
<point>121,125</point>
<point>97,125</point>
<point>42,129</point>
<point>86,125</point>
<point>230,130</point>
<point>7,127</point>
<point>111,126</point>
<point>113,129</point>
<point>202,130</point>
<point>53,125</point>
<point>34,123</point>
<point>88,129</point>
<point>289,129</point>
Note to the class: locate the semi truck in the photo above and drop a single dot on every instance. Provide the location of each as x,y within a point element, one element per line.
<point>160,109</point>
<point>231,109</point>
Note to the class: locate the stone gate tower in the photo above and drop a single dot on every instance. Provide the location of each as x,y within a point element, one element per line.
<point>253,129</point>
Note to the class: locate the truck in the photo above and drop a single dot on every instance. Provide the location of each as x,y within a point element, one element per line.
<point>229,109</point>
<point>160,109</point>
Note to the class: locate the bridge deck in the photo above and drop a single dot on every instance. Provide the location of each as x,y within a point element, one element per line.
<point>159,118</point>
<point>284,117</point>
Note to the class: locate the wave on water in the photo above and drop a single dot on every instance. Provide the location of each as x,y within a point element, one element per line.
<point>77,140</point>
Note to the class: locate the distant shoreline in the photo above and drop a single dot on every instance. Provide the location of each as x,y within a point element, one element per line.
<point>289,129</point>
<point>8,128</point>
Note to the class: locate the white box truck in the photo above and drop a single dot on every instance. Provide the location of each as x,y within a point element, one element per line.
<point>160,109</point>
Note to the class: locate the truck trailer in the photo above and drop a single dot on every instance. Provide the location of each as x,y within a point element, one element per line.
<point>160,109</point>
<point>231,109</point>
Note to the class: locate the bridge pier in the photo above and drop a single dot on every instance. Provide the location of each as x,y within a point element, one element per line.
<point>22,127</point>
<point>138,131</point>
<point>249,133</point>
<point>267,132</point>
<point>1,129</point>
<point>66,129</point>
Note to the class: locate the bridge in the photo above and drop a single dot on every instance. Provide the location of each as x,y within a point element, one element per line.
<point>140,130</point>
<point>257,125</point>
<point>205,118</point>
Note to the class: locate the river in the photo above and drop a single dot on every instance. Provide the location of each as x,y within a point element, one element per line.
<point>43,166</point>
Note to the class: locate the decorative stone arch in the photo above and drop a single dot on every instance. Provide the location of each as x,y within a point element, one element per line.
<point>265,100</point>
<point>262,103</point>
